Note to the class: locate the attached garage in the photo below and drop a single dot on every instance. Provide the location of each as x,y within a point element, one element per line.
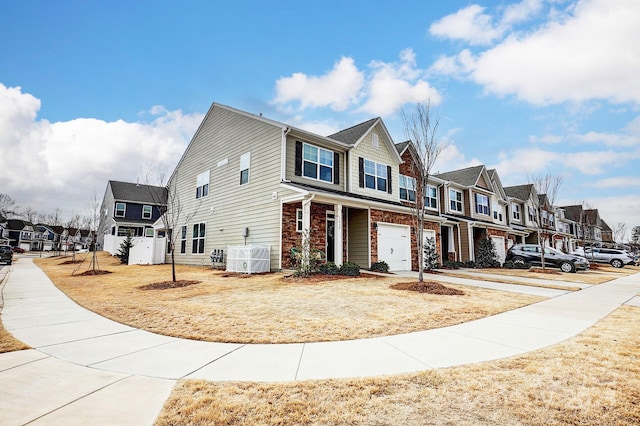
<point>498,242</point>
<point>394,246</point>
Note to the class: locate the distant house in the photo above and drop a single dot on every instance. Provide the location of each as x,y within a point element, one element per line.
<point>21,234</point>
<point>4,232</point>
<point>128,209</point>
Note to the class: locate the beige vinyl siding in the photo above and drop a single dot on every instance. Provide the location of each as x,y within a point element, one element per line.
<point>465,240</point>
<point>230,207</point>
<point>291,166</point>
<point>381,155</point>
<point>358,236</point>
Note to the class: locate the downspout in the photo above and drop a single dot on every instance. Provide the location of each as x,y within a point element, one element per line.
<point>283,155</point>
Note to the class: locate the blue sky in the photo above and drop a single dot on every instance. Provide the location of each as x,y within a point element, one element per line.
<point>91,91</point>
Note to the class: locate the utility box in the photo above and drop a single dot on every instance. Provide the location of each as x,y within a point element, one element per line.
<point>249,259</point>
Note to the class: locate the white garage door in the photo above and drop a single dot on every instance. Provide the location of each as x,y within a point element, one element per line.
<point>394,246</point>
<point>498,242</point>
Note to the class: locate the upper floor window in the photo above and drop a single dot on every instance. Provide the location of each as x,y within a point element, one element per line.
<point>407,188</point>
<point>374,140</point>
<point>376,176</point>
<point>199,232</point>
<point>482,204</point>
<point>532,214</point>
<point>120,209</point>
<point>455,200</point>
<point>515,211</point>
<point>431,199</point>
<point>202,184</point>
<point>317,163</point>
<point>497,212</point>
<point>146,212</point>
<point>245,161</point>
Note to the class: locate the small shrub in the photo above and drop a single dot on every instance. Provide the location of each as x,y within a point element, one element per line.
<point>381,266</point>
<point>328,268</point>
<point>451,264</point>
<point>350,269</point>
<point>487,257</point>
<point>509,264</point>
<point>430,254</point>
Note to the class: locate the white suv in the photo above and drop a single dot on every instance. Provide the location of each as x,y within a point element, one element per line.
<point>615,257</point>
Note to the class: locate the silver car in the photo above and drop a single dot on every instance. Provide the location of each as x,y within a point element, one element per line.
<point>615,257</point>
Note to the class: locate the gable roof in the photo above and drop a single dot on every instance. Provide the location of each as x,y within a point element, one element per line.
<point>353,134</point>
<point>465,177</point>
<point>18,224</point>
<point>573,213</point>
<point>521,192</point>
<point>401,147</point>
<point>126,191</point>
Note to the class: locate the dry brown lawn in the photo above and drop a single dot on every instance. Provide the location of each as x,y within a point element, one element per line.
<point>8,343</point>
<point>591,379</point>
<point>268,308</point>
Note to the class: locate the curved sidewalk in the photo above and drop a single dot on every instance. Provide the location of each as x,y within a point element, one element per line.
<point>40,315</point>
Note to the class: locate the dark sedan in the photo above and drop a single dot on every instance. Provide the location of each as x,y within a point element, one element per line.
<point>530,253</point>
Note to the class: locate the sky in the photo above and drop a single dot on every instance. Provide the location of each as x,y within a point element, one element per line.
<point>93,91</point>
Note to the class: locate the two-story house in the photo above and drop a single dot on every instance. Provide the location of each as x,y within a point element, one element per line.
<point>245,179</point>
<point>21,234</point>
<point>586,225</point>
<point>127,209</point>
<point>522,212</point>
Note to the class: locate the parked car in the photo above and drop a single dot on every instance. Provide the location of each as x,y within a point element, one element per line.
<point>6,255</point>
<point>521,253</point>
<point>615,257</point>
<point>17,249</point>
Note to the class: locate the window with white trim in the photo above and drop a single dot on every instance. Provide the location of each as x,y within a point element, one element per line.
<point>148,232</point>
<point>202,184</point>
<point>199,232</point>
<point>245,161</point>
<point>299,226</point>
<point>375,175</point>
<point>455,200</point>
<point>120,209</point>
<point>183,240</point>
<point>317,163</point>
<point>146,212</point>
<point>482,204</point>
<point>407,188</point>
<point>497,212</point>
<point>374,140</point>
<point>532,214</point>
<point>515,212</point>
<point>431,199</point>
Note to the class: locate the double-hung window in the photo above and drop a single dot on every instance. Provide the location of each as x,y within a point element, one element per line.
<point>515,209</point>
<point>299,226</point>
<point>431,198</point>
<point>407,188</point>
<point>120,209</point>
<point>497,212</point>
<point>245,161</point>
<point>375,175</point>
<point>198,238</point>
<point>482,204</point>
<point>317,163</point>
<point>202,184</point>
<point>455,200</point>
<point>146,212</point>
<point>183,240</point>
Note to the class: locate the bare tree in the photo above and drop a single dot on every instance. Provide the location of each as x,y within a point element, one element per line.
<point>90,223</point>
<point>619,232</point>
<point>420,128</point>
<point>548,187</point>
<point>8,207</point>
<point>29,214</point>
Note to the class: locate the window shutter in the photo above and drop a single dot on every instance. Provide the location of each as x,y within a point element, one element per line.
<point>361,171</point>
<point>389,183</point>
<point>298,158</point>
<point>336,168</point>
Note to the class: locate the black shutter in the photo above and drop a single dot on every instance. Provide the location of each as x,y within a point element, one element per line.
<point>361,171</point>
<point>389,186</point>
<point>336,168</point>
<point>298,158</point>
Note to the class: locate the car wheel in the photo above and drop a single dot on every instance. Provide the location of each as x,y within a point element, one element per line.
<point>617,263</point>
<point>519,260</point>
<point>567,267</point>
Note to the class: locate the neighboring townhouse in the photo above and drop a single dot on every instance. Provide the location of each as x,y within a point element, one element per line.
<point>127,209</point>
<point>471,197</point>
<point>586,225</point>
<point>563,237</point>
<point>521,213</point>
<point>607,234</point>
<point>21,234</point>
<point>245,179</point>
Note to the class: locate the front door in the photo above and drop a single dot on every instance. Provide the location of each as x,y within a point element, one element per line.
<point>331,228</point>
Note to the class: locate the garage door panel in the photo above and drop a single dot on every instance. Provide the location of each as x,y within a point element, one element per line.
<point>394,246</point>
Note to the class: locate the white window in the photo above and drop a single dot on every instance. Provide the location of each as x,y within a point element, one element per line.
<point>202,184</point>
<point>317,163</point>
<point>183,240</point>
<point>374,140</point>
<point>482,204</point>
<point>245,161</point>
<point>148,232</point>
<point>299,227</point>
<point>407,188</point>
<point>120,209</point>
<point>455,200</point>
<point>515,209</point>
<point>431,199</point>
<point>532,214</point>
<point>146,212</point>
<point>199,233</point>
<point>375,175</point>
<point>497,212</point>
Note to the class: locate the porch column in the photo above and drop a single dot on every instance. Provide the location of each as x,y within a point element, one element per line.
<point>306,214</point>
<point>337,239</point>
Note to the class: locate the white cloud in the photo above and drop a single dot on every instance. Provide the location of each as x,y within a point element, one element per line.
<point>338,88</point>
<point>469,24</point>
<point>521,163</point>
<point>618,182</point>
<point>520,12</point>
<point>45,162</point>
<point>546,139</point>
<point>587,54</point>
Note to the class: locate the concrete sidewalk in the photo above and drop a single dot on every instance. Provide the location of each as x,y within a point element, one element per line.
<point>86,368</point>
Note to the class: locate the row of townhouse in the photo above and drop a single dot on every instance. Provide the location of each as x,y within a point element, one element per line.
<point>42,237</point>
<point>246,179</point>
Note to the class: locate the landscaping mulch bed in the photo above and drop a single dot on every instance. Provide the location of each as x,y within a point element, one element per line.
<point>91,272</point>
<point>545,271</point>
<point>428,287</point>
<point>168,284</point>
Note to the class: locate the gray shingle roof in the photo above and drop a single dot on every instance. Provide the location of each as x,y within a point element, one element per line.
<point>401,146</point>
<point>353,134</point>
<point>466,177</point>
<point>573,212</point>
<point>521,192</point>
<point>126,191</point>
